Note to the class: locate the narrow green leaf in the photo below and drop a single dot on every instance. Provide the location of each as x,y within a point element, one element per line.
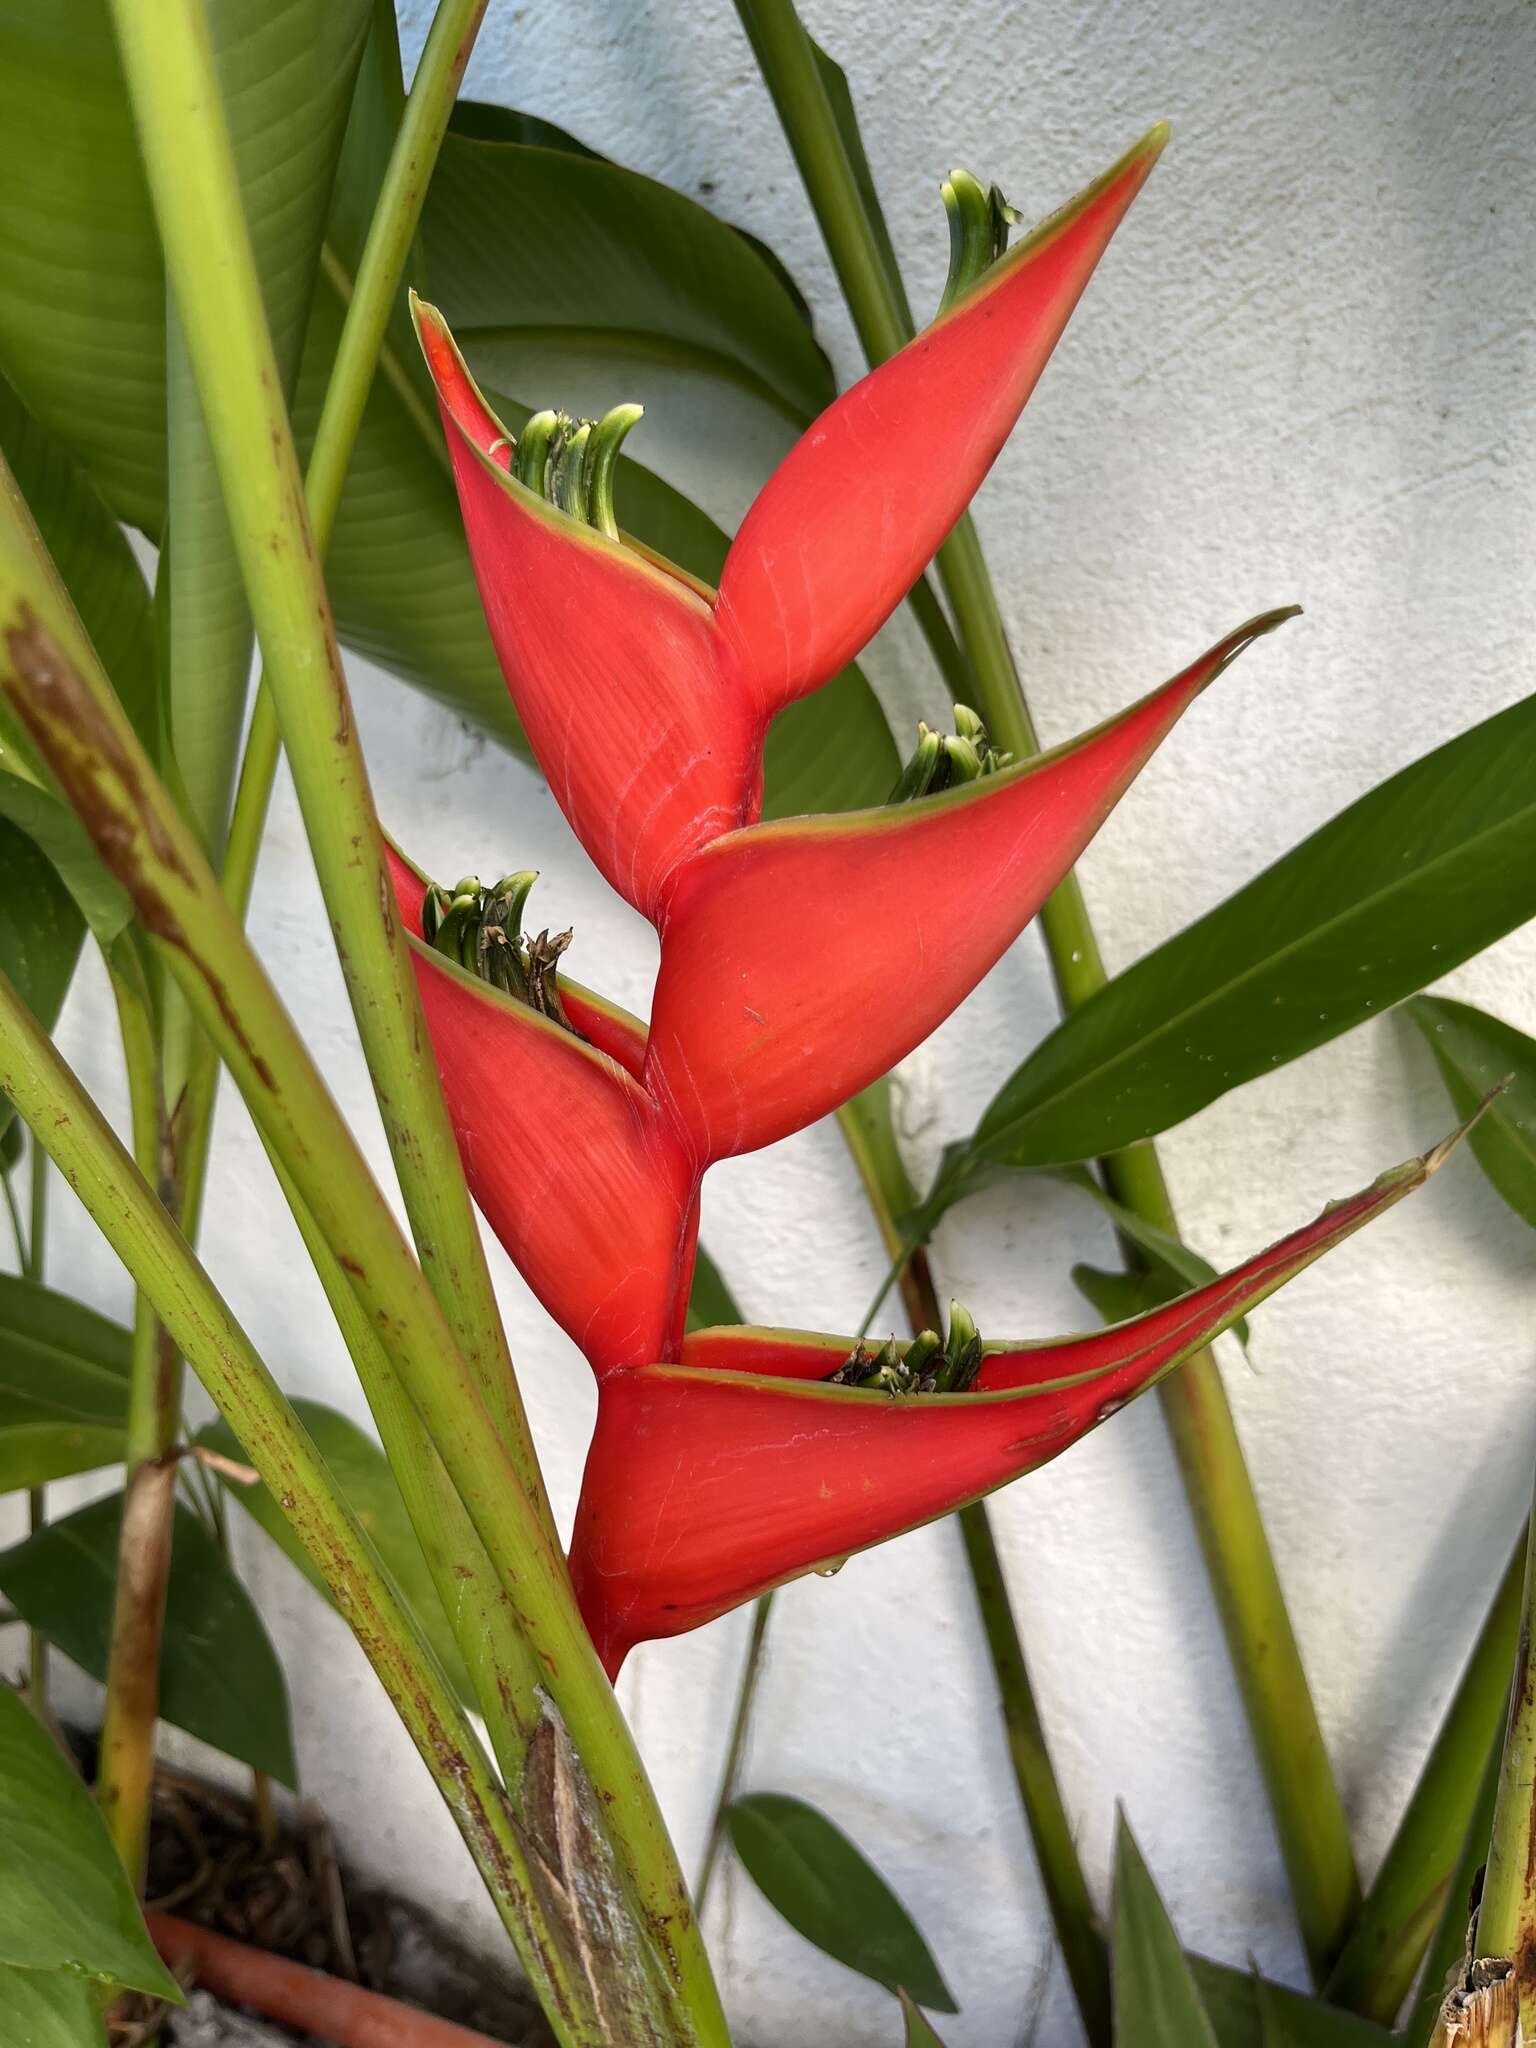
<point>919,2033</point>
<point>219,1675</point>
<point>1426,870</point>
<point>1173,1266</point>
<point>1289,2019</point>
<point>369,1488</point>
<point>1240,2004</point>
<point>65,1902</point>
<point>1115,1297</point>
<point>49,2009</point>
<point>826,1889</point>
<point>1475,1052</point>
<point>1156,2002</point>
<point>63,1386</point>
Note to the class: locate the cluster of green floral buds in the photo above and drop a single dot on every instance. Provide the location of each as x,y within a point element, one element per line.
<point>571,462</point>
<point>482,930</point>
<point>930,1364</point>
<point>944,759</point>
<point>979,221</point>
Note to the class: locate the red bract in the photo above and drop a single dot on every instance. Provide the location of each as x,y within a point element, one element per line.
<point>647,705</point>
<point>712,1480</point>
<point>799,960</point>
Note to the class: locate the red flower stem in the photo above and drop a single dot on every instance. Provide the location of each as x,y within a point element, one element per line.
<point>1308,1812</point>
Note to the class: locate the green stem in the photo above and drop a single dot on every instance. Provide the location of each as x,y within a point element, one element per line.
<point>736,1748</point>
<point>1506,1921</point>
<point>1450,1949</point>
<point>1309,1814</point>
<point>126,1771</point>
<point>185,141</point>
<point>125,1208</point>
<point>33,1263</point>
<point>50,678</point>
<point>869,1131</point>
<point>1375,1973</point>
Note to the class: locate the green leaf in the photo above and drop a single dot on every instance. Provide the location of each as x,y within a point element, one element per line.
<point>362,1472</point>
<point>82,287</point>
<point>219,1675</point>
<point>555,269</point>
<point>811,1873</point>
<point>1475,1052</point>
<point>1248,2011</point>
<point>919,2033</point>
<point>65,1902</point>
<point>1172,1266</point>
<point>48,2009</point>
<point>1417,876</point>
<point>1115,1297</point>
<point>711,1303</point>
<point>63,1386</point>
<point>1155,1999</point>
<point>40,929</point>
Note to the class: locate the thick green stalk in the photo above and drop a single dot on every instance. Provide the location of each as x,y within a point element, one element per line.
<point>1506,1920</point>
<point>190,164</point>
<point>127,1766</point>
<point>1406,1901</point>
<point>1309,1814</point>
<point>33,1264</point>
<point>51,680</point>
<point>125,1208</point>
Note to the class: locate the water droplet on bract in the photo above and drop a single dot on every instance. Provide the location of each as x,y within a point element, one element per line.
<point>1077,954</point>
<point>830,1571</point>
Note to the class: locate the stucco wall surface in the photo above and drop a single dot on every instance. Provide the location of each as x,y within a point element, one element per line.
<point>1302,374</point>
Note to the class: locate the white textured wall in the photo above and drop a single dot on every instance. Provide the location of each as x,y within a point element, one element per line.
<point>1303,373</point>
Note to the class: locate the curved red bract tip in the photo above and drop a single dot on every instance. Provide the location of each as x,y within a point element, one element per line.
<point>857,509</point>
<point>801,960</point>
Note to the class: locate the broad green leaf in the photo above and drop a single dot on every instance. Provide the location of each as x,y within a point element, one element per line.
<point>919,2033</point>
<point>811,1873</point>
<point>82,287</point>
<point>549,264</point>
<point>49,2009</point>
<point>1155,1999</point>
<point>219,1675</point>
<point>1475,1052</point>
<point>286,69</point>
<point>711,1302</point>
<point>362,1472</point>
<point>40,929</point>
<point>1426,870</point>
<point>65,1902</point>
<point>63,1386</point>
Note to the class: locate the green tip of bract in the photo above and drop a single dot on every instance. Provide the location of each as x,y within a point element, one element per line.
<point>979,222</point>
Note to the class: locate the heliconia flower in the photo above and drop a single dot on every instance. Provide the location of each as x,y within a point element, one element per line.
<point>799,961</point>
<point>646,699</point>
<point>742,1467</point>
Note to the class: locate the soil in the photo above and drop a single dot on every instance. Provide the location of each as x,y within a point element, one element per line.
<point>274,1880</point>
